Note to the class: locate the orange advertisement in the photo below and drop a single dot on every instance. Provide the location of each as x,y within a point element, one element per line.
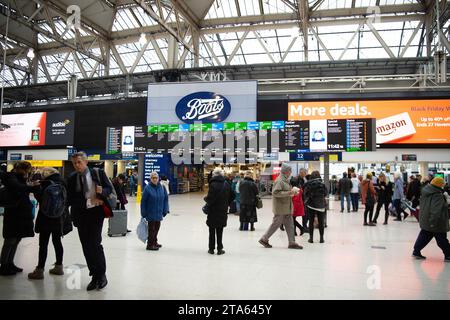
<point>398,121</point>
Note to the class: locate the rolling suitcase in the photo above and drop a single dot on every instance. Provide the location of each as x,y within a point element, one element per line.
<point>117,225</point>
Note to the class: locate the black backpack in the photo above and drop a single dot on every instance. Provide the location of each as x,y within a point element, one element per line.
<point>53,201</point>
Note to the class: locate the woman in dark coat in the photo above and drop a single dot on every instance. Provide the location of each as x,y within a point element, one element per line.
<point>118,183</point>
<point>46,227</point>
<point>315,192</point>
<point>217,201</point>
<point>18,218</point>
<point>248,191</point>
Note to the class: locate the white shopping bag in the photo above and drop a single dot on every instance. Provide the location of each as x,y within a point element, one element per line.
<point>142,230</point>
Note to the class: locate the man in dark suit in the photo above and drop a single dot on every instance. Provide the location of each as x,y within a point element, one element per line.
<point>87,191</point>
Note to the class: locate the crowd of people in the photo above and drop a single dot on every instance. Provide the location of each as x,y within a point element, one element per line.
<point>87,193</point>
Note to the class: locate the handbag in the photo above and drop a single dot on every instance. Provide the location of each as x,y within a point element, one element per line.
<point>205,209</point>
<point>107,212</point>
<point>258,202</point>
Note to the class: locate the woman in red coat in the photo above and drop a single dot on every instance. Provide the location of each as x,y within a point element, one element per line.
<point>299,210</point>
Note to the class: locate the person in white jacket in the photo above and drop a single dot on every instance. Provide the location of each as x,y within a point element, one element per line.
<point>354,192</point>
<point>165,183</point>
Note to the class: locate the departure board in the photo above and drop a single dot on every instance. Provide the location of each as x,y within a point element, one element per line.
<point>296,135</point>
<point>113,140</point>
<point>235,138</point>
<point>360,136</point>
<point>337,135</point>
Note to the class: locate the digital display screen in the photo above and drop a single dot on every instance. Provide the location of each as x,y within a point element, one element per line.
<point>242,137</point>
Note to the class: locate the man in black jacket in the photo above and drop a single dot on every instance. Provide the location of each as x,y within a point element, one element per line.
<point>344,188</point>
<point>87,191</point>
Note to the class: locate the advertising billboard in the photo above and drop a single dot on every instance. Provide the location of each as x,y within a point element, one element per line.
<point>38,129</point>
<point>26,129</point>
<point>398,121</point>
<point>207,102</point>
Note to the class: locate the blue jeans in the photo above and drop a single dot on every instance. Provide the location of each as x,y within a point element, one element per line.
<point>342,201</point>
<point>355,200</point>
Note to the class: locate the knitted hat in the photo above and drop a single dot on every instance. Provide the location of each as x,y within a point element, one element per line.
<point>285,168</point>
<point>438,182</point>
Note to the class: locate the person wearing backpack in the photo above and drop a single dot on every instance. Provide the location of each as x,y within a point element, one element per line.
<point>88,191</point>
<point>18,219</point>
<point>52,220</point>
<point>368,199</point>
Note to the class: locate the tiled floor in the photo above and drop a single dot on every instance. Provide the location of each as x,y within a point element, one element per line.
<point>345,267</point>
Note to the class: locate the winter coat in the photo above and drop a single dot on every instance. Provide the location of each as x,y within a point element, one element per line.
<point>18,219</point>
<point>433,210</point>
<point>77,199</point>
<point>299,207</point>
<point>413,192</point>
<point>120,191</point>
<point>44,223</point>
<point>367,186</point>
<point>154,203</point>
<point>384,191</point>
<point>248,191</point>
<point>235,188</point>
<point>281,199</point>
<point>315,193</point>
<point>218,200</point>
<point>345,186</point>
<point>398,190</point>
<point>355,185</point>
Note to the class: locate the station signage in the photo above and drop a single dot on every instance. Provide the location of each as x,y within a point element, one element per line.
<point>206,107</point>
<point>206,102</point>
<point>397,121</point>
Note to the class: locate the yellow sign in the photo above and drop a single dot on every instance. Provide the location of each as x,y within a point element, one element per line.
<point>46,163</point>
<point>94,157</point>
<point>333,157</point>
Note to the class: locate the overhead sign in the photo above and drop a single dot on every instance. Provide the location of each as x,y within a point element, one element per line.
<point>313,156</point>
<point>398,121</point>
<point>46,163</point>
<point>207,102</point>
<point>239,138</point>
<point>206,107</point>
<point>38,129</point>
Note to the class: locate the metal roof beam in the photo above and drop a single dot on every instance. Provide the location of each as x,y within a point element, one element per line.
<point>147,9</point>
<point>88,24</point>
<point>34,27</point>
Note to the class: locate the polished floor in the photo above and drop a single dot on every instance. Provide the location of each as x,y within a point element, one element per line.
<point>356,262</point>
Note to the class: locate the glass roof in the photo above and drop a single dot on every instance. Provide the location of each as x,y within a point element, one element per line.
<point>276,39</point>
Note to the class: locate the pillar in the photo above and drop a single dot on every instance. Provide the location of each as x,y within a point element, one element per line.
<point>121,166</point>
<point>109,168</point>
<point>423,168</point>
<point>172,57</point>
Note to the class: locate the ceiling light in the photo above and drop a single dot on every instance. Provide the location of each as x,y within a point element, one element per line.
<point>30,53</point>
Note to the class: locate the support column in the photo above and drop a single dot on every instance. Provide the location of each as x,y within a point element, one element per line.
<point>172,59</point>
<point>423,168</point>
<point>121,166</point>
<point>109,168</point>
<point>140,186</point>
<point>195,45</point>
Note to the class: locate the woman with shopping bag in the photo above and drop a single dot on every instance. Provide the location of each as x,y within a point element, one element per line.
<point>154,207</point>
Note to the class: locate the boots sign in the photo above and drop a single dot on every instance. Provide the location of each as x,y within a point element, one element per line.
<point>207,107</point>
<point>202,102</point>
